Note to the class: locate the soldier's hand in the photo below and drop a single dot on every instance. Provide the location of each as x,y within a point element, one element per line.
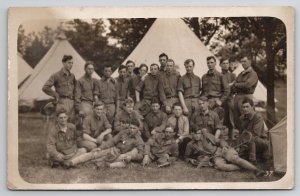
<point>100,139</point>
<point>60,157</point>
<point>185,111</point>
<point>153,132</point>
<point>146,160</point>
<point>168,109</point>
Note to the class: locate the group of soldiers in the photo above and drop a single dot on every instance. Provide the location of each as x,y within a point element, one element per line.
<point>157,117</point>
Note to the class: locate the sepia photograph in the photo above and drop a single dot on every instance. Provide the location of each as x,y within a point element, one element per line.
<point>151,98</point>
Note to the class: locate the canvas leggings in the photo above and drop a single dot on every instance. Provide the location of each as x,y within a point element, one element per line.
<point>78,153</point>
<point>89,145</point>
<point>225,155</point>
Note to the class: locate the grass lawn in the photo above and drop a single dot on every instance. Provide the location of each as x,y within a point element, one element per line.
<point>33,166</point>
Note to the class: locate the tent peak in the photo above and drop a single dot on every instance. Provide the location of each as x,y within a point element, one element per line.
<point>61,36</point>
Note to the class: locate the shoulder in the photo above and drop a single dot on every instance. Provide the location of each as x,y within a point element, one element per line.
<point>213,114</point>
<point>71,126</point>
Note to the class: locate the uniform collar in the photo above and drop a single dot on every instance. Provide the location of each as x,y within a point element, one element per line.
<point>211,73</point>
<point>62,129</point>
<point>205,113</point>
<point>247,70</point>
<point>65,72</point>
<point>225,71</point>
<point>249,116</point>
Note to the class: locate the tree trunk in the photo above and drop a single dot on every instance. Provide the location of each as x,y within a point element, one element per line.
<point>270,76</point>
<point>196,26</point>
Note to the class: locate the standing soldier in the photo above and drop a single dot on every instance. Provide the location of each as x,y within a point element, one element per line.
<point>168,85</point>
<point>135,81</point>
<point>84,90</point>
<point>189,89</point>
<point>149,89</point>
<point>243,87</point>
<point>64,83</point>
<point>215,87</point>
<point>122,86</point>
<point>106,91</point>
<point>228,106</point>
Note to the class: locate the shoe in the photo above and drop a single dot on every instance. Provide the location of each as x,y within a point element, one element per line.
<point>260,173</point>
<point>68,164</point>
<point>164,164</point>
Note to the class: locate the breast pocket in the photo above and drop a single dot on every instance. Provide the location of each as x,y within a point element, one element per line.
<point>186,84</point>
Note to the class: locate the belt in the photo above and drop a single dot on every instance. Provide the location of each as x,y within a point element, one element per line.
<point>211,97</point>
<point>84,100</point>
<point>191,97</point>
<point>66,97</point>
<point>244,93</point>
<point>174,97</point>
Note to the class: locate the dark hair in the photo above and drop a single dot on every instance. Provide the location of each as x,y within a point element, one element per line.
<point>211,57</point>
<point>247,100</point>
<point>245,54</point>
<point>88,63</point>
<point>177,104</point>
<point>154,64</point>
<point>122,67</point>
<point>144,65</point>
<point>171,60</point>
<point>107,66</point>
<point>66,58</point>
<point>129,61</point>
<point>224,59</point>
<point>128,101</point>
<point>154,100</point>
<point>162,55</point>
<point>188,61</point>
<point>134,122</point>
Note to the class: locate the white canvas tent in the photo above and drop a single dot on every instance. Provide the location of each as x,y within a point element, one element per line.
<point>24,70</point>
<point>279,145</point>
<point>49,64</point>
<point>174,37</point>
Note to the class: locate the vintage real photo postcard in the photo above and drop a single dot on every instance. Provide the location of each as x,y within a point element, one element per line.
<point>107,98</point>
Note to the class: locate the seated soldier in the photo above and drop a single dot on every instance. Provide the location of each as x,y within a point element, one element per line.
<point>253,123</point>
<point>180,124</point>
<point>126,146</point>
<point>161,147</point>
<point>61,140</point>
<point>127,114</point>
<point>155,120</point>
<point>96,128</point>
<point>205,118</point>
<point>204,148</point>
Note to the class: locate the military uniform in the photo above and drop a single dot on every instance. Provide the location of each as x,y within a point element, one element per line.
<point>208,120</point>
<point>64,83</point>
<point>122,118</point>
<point>122,90</point>
<point>84,94</point>
<point>190,86</point>
<point>155,121</point>
<point>106,90</point>
<point>168,83</point>
<point>93,126</point>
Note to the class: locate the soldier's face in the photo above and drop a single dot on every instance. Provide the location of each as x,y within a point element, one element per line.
<point>154,70</point>
<point>89,70</point>
<point>62,119</point>
<point>107,72</point>
<point>68,64</point>
<point>211,64</point>
<point>99,110</point>
<point>159,136</point>
<point>225,65</point>
<point>177,111</point>
<point>169,66</point>
<point>169,133</point>
<point>197,136</point>
<point>122,73</point>
<point>130,67</point>
<point>133,130</point>
<point>155,107</point>
<point>246,63</point>
<point>129,108</point>
<point>247,108</point>
<point>163,60</point>
<point>143,71</point>
<point>189,67</point>
<point>203,105</point>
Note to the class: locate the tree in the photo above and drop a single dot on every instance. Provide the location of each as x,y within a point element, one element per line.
<point>262,37</point>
